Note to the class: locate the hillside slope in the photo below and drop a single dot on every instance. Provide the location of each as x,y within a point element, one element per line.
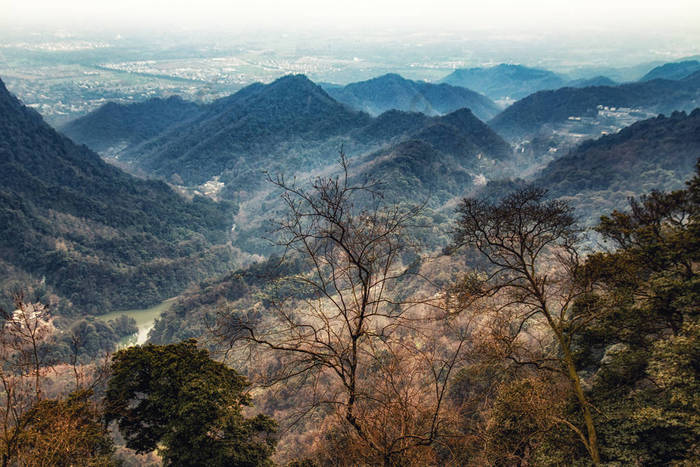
<point>676,70</point>
<point>504,80</point>
<point>528,115</point>
<point>245,131</point>
<point>442,160</point>
<point>119,125</point>
<point>391,91</point>
<point>654,154</point>
<point>98,237</point>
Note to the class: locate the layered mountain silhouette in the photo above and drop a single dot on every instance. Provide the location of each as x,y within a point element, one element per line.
<point>504,80</point>
<point>675,71</point>
<point>100,238</point>
<point>114,125</point>
<point>441,160</point>
<point>654,154</point>
<point>595,81</point>
<point>528,115</point>
<point>391,91</point>
<point>250,129</point>
<point>291,126</point>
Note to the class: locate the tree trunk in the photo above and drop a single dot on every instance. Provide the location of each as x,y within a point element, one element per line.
<point>578,389</point>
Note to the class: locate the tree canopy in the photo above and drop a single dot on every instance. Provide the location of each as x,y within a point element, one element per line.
<point>178,400</point>
<point>643,348</point>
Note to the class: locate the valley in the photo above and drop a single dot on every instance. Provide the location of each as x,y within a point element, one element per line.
<point>144,318</point>
<point>377,248</point>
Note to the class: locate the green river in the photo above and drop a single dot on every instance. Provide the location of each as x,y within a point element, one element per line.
<point>145,320</point>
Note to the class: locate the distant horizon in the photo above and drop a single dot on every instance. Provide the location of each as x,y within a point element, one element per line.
<point>65,58</point>
<point>559,52</point>
<point>621,32</point>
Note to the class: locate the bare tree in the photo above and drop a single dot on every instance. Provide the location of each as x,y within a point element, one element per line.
<point>35,428</point>
<point>340,324</point>
<point>530,248</point>
<point>22,367</point>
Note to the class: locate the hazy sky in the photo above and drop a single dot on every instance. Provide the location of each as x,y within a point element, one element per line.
<point>668,16</point>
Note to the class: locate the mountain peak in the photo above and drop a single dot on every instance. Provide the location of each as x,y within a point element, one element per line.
<point>391,77</point>
<point>673,71</point>
<point>295,86</point>
<point>392,91</point>
<point>463,113</point>
<point>297,80</point>
<point>504,80</point>
<point>463,119</point>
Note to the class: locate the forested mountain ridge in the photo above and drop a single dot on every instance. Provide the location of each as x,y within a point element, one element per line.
<point>98,237</point>
<point>241,132</point>
<point>505,80</point>
<point>654,154</point>
<point>439,161</point>
<point>290,126</point>
<point>675,71</point>
<point>390,125</point>
<point>528,115</point>
<point>595,81</point>
<point>478,132</point>
<point>127,124</point>
<point>393,92</point>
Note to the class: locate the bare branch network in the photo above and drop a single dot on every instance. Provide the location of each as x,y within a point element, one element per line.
<point>351,323</point>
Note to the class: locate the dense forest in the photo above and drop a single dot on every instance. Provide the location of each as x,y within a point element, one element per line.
<point>513,348</point>
<point>118,124</point>
<point>526,116</point>
<point>599,175</point>
<point>367,274</point>
<point>88,237</point>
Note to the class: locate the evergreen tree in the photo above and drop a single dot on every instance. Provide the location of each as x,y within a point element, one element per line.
<point>643,348</point>
<point>177,399</point>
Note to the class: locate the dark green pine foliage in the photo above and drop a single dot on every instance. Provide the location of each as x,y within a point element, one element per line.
<point>178,400</point>
<point>643,350</point>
